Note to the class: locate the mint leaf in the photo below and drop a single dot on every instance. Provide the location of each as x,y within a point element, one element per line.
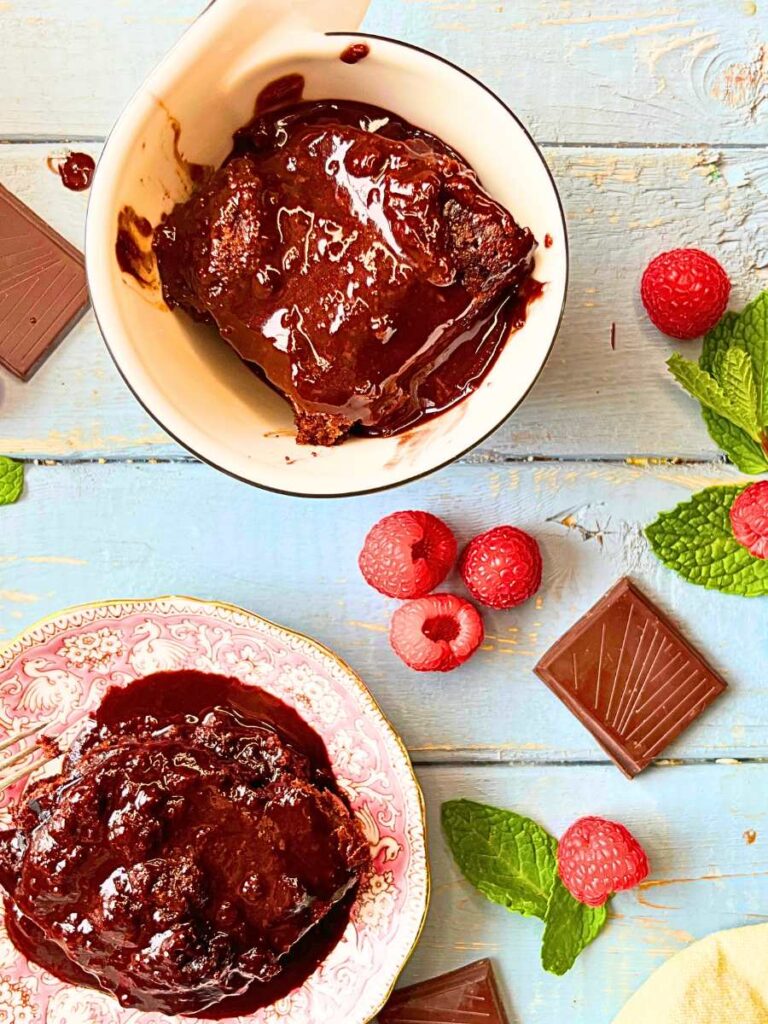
<point>569,929</point>
<point>733,372</point>
<point>717,341</point>
<point>750,332</point>
<point>748,455</point>
<point>696,540</point>
<point>709,392</point>
<point>510,859</point>
<point>11,480</point>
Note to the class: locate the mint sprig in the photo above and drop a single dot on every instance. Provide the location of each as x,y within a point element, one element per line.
<point>512,860</point>
<point>11,480</point>
<point>696,540</point>
<point>570,927</point>
<point>730,382</point>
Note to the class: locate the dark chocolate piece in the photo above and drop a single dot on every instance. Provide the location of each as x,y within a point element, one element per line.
<point>630,677</point>
<point>466,996</point>
<point>42,287</point>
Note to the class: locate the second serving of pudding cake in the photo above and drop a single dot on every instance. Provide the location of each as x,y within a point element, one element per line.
<point>354,261</point>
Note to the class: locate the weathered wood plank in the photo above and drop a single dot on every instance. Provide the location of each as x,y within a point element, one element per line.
<point>623,206</point>
<point>705,876</point>
<point>86,532</point>
<point>686,71</point>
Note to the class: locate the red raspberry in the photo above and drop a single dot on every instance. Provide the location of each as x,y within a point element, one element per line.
<point>436,633</point>
<point>749,519</point>
<point>685,292</point>
<point>597,858</point>
<point>407,554</point>
<point>502,568</point>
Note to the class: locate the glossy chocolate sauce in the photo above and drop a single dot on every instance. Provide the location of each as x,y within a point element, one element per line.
<point>354,53</point>
<point>75,170</point>
<point>354,259</point>
<point>194,856</point>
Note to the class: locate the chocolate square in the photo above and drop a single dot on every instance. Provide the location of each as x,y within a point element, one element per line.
<point>630,677</point>
<point>42,287</point>
<point>466,996</point>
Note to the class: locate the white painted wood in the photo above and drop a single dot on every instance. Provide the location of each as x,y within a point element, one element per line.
<point>623,206</point>
<point>609,72</point>
<point>86,532</point>
<point>704,876</point>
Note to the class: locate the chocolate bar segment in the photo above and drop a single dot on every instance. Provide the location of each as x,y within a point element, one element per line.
<point>630,677</point>
<point>466,996</point>
<point>42,287</point>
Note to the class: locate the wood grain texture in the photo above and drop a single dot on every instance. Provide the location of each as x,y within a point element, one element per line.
<point>681,71</point>
<point>705,876</point>
<point>86,532</point>
<point>623,206</point>
<point>622,95</point>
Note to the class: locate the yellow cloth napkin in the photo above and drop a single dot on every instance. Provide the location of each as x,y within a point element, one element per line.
<point>722,979</point>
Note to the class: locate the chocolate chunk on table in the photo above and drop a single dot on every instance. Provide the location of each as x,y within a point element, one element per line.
<point>466,996</point>
<point>630,677</point>
<point>42,287</point>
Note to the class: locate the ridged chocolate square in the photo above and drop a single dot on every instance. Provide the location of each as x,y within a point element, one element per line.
<point>42,287</point>
<point>630,677</point>
<point>466,996</point>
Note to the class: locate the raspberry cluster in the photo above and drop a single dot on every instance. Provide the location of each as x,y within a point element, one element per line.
<point>407,554</point>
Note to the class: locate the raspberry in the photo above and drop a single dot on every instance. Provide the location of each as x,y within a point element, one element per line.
<point>436,633</point>
<point>502,568</point>
<point>685,292</point>
<point>749,519</point>
<point>407,554</point>
<point>597,858</point>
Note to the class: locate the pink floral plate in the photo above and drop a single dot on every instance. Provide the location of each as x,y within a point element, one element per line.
<point>58,671</point>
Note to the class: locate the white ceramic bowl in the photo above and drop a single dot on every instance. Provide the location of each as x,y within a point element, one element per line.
<point>190,381</point>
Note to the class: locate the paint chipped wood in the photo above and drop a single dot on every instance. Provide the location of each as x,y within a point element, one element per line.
<point>618,72</point>
<point>116,532</point>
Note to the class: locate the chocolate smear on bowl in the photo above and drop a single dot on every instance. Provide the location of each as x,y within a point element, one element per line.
<point>354,53</point>
<point>43,291</point>
<point>630,677</point>
<point>133,247</point>
<point>281,92</point>
<point>195,172</point>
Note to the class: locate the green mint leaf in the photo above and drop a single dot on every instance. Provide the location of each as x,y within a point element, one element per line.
<point>696,540</point>
<point>510,859</point>
<point>750,331</point>
<point>717,341</point>
<point>708,391</point>
<point>11,480</point>
<point>746,454</point>
<point>734,374</point>
<point>570,927</point>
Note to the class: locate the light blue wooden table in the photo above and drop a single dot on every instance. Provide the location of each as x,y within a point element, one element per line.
<point>654,118</point>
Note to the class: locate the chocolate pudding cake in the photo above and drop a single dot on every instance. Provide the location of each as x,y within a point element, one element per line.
<point>192,844</point>
<point>354,261</point>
